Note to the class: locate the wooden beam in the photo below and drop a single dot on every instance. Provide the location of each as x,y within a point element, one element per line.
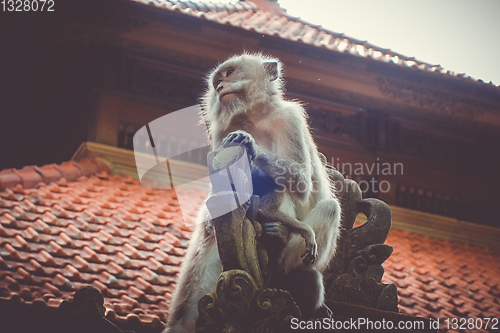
<point>123,161</point>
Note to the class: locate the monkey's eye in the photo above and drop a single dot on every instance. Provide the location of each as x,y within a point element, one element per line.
<point>229,72</point>
<point>217,83</point>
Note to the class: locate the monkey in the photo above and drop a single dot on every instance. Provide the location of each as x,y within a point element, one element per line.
<point>244,104</point>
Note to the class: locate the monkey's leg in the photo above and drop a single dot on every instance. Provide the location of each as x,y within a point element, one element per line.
<point>198,277</point>
<point>324,219</point>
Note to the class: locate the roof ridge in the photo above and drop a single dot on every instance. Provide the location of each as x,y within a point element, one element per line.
<point>32,176</point>
<point>355,40</point>
<point>185,6</point>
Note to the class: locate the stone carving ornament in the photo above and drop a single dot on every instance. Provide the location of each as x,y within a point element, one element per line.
<point>242,302</point>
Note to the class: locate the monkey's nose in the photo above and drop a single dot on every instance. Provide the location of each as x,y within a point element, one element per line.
<point>219,88</point>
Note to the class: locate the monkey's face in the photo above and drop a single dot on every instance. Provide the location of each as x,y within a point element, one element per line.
<point>227,84</point>
<point>240,86</point>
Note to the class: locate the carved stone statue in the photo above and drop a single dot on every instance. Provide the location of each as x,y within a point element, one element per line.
<point>356,271</point>
<point>242,301</point>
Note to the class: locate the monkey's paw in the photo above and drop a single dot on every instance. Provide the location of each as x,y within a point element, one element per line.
<point>277,230</point>
<point>241,138</point>
<point>311,253</point>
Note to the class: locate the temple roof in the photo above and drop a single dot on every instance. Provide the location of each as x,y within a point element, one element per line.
<point>66,226</point>
<point>106,231</point>
<point>261,17</point>
<point>441,279</point>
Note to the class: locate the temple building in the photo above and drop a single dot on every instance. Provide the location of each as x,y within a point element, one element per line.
<point>80,84</point>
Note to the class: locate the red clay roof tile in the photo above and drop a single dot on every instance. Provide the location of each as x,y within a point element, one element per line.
<point>454,279</point>
<point>48,173</point>
<point>90,237</point>
<point>9,179</point>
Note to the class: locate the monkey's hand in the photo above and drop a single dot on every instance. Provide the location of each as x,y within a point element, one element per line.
<point>241,138</point>
<point>311,253</point>
<point>276,230</point>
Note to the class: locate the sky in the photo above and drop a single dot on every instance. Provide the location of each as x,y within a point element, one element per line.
<point>460,35</point>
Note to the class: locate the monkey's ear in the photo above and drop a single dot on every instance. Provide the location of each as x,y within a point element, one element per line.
<point>271,70</point>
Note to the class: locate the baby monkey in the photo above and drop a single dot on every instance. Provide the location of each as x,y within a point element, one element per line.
<point>244,105</point>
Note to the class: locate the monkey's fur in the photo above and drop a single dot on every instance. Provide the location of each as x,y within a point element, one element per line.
<point>244,104</point>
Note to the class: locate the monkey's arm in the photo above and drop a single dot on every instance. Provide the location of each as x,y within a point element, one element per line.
<point>289,164</point>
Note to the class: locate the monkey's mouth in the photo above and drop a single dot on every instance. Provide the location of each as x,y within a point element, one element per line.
<point>225,94</point>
